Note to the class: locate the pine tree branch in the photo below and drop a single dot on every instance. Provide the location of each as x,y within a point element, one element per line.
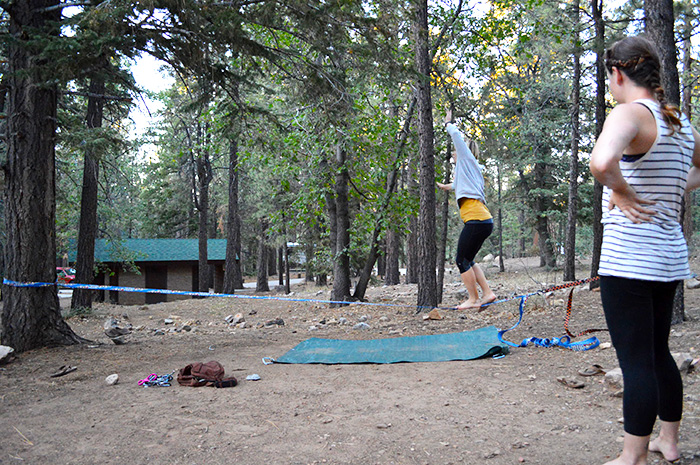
<point>60,6</point>
<point>93,95</point>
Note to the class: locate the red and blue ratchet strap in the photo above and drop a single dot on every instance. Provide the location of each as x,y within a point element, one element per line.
<point>564,341</point>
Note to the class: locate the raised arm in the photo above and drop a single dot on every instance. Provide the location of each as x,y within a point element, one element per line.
<point>461,146</point>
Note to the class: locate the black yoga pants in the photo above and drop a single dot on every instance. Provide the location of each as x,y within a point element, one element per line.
<point>638,314</point>
<point>471,239</point>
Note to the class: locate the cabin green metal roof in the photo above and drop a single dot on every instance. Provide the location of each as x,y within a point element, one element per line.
<point>155,250</point>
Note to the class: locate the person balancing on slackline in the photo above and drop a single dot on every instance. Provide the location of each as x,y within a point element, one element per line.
<point>468,185</point>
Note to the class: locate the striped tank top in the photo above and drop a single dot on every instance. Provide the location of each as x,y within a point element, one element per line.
<point>655,250</point>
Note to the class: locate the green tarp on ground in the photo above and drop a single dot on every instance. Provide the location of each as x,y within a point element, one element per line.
<point>466,345</point>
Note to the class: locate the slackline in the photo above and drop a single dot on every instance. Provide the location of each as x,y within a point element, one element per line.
<point>466,345</point>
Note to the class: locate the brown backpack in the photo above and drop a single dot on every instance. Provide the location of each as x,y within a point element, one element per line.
<point>205,374</point>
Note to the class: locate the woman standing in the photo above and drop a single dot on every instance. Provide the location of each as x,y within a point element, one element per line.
<point>647,156</point>
<point>478,222</point>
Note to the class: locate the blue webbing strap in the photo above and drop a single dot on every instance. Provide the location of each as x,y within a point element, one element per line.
<point>98,287</point>
<point>564,341</point>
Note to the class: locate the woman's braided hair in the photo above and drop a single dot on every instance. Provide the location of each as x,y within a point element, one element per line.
<point>638,58</point>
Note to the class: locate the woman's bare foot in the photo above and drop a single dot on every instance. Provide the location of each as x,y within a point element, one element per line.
<point>634,451</point>
<point>469,303</point>
<point>621,461</point>
<point>666,448</point>
<point>487,299</point>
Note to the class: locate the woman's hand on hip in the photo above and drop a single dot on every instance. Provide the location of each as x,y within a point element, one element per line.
<point>631,205</point>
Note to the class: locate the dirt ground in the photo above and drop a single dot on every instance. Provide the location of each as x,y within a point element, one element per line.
<point>494,411</point>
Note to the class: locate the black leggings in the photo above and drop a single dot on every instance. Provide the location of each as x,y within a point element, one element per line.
<point>471,239</point>
<point>638,314</point>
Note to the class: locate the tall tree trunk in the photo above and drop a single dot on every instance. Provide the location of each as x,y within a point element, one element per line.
<point>659,21</point>
<point>341,269</point>
<point>271,261</point>
<point>597,9</point>
<point>87,230</point>
<point>204,179</point>
<point>280,265</point>
<point>332,224</point>
<point>261,284</point>
<point>412,237</point>
<point>320,269</point>
<point>442,247</point>
<point>288,283</point>
<point>392,274</point>
<point>427,285</point>
<point>381,262</point>
<point>501,264</point>
<point>547,258</point>
<point>572,210</point>
<point>522,242</point>
<point>284,257</point>
<point>687,106</point>
<point>233,277</point>
<point>539,206</point>
<point>31,316</point>
<point>309,253</point>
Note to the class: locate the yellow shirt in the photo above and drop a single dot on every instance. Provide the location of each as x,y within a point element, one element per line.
<point>473,209</point>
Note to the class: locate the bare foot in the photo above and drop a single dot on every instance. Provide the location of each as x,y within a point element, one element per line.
<point>484,302</point>
<point>665,448</point>
<point>467,304</point>
<point>621,461</point>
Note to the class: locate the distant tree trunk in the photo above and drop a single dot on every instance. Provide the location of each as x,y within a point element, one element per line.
<point>539,204</point>
<point>320,270</point>
<point>261,284</point>
<point>341,269</point>
<point>687,106</point>
<point>521,242</point>
<point>659,23</point>
<point>687,66</point>
<point>547,258</point>
<point>597,9</point>
<point>309,255</point>
<point>381,262</point>
<point>332,223</point>
<point>233,277</point>
<point>659,28</point>
<point>280,265</point>
<point>31,316</point>
<point>271,261</point>
<point>204,179</point>
<point>392,275</point>
<point>501,264</point>
<point>288,283</point>
<point>412,237</point>
<point>427,285</point>
<point>87,230</point>
<point>572,210</point>
<point>442,247</point>
<point>284,269</point>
